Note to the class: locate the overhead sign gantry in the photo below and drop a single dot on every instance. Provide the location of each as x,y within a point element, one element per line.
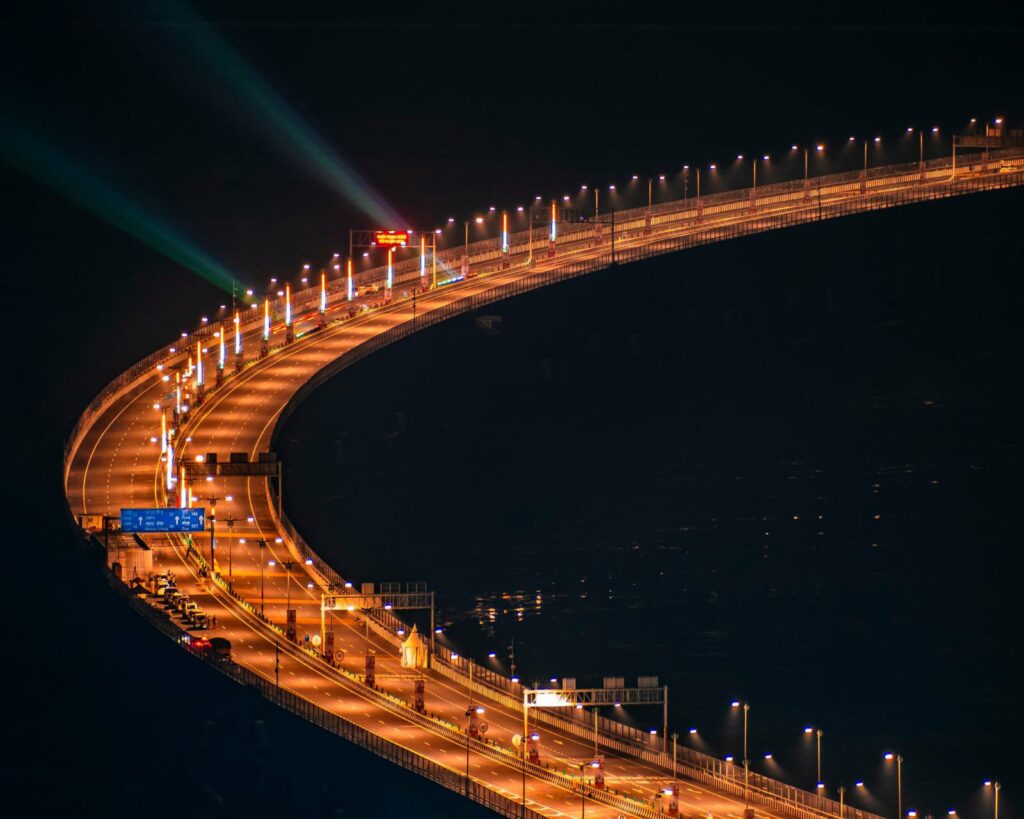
<point>393,240</point>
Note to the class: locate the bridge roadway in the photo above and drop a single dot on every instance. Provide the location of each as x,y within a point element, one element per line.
<point>117,464</point>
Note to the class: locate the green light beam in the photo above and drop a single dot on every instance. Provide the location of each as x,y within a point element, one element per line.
<point>47,165</point>
<point>271,116</point>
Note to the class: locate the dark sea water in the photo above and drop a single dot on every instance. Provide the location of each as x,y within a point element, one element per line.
<point>787,470</point>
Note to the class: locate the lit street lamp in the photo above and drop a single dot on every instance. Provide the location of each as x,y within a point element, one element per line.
<point>746,758</point>
<point>213,525</point>
<point>262,545</point>
<point>996,786</point>
<point>819,734</point>
<point>230,521</point>
<point>888,757</point>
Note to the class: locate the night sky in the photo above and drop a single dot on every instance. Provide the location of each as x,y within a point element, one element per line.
<point>440,111</point>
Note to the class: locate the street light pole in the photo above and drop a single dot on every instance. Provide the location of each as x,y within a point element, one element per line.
<point>820,733</point>
<point>263,545</point>
<point>746,759</point>
<point>997,787</point>
<point>899,782</point>
<point>842,794</point>
<point>583,792</point>
<point>231,527</point>
<point>899,785</point>
<point>469,713</point>
<point>675,773</point>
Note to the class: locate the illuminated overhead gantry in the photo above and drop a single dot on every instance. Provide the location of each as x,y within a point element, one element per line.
<point>997,136</point>
<point>375,604</point>
<point>614,693</point>
<point>238,464</point>
<point>392,241</point>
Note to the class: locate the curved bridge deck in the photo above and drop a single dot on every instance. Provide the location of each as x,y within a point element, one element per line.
<point>114,461</point>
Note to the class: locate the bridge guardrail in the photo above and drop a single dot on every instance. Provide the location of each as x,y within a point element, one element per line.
<point>453,780</point>
<point>335,724</point>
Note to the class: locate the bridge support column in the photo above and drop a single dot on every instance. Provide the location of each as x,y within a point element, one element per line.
<point>220,377</point>
<point>551,249</point>
<point>289,334</point>
<point>239,363</point>
<point>863,180</point>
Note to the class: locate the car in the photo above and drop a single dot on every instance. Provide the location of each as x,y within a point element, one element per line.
<point>221,648</point>
<point>188,606</point>
<point>199,620</point>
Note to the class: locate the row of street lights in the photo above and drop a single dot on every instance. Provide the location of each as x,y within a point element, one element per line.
<point>818,733</point>
<point>809,150</point>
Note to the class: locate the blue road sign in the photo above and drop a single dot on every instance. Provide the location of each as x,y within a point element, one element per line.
<point>163,520</point>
